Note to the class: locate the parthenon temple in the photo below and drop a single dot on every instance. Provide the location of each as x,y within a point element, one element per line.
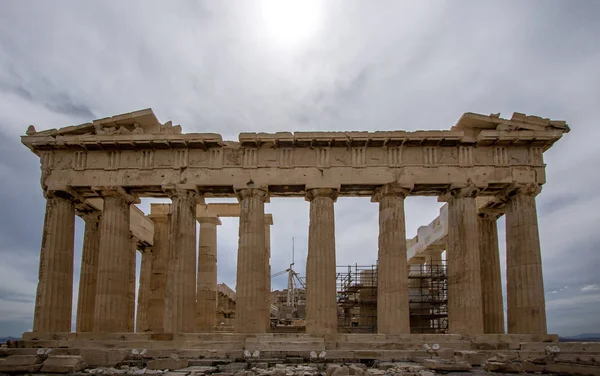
<point>483,167</point>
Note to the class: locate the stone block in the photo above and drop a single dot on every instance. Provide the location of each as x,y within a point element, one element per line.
<point>22,363</point>
<point>161,336</point>
<point>167,363</point>
<point>63,364</point>
<point>573,369</point>
<point>446,365</point>
<point>103,357</point>
<point>474,358</point>
<point>222,374</point>
<point>232,367</point>
<point>353,369</point>
<point>197,370</point>
<point>512,367</point>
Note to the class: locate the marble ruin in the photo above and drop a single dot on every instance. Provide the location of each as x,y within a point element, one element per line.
<point>482,167</point>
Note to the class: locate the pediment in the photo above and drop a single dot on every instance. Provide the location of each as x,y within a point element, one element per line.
<point>518,122</point>
<point>133,123</point>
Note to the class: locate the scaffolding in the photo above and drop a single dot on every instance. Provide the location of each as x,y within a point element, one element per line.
<point>428,298</point>
<point>427,292</point>
<point>357,298</point>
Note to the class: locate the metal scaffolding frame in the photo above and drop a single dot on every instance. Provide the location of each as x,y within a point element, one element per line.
<point>427,292</point>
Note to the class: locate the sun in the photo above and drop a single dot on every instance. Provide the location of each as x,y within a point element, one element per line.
<point>290,22</point>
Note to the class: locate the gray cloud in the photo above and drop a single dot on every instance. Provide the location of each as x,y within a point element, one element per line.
<point>214,68</point>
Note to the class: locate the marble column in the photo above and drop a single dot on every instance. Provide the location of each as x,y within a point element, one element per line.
<point>141,321</point>
<point>180,302</point>
<point>393,316</point>
<point>491,280</point>
<point>111,312</point>
<point>131,284</point>
<point>321,304</point>
<point>158,277</point>
<point>250,285</point>
<point>206,292</point>
<point>465,314</point>
<point>88,276</point>
<point>53,302</point>
<point>525,285</point>
<point>268,223</point>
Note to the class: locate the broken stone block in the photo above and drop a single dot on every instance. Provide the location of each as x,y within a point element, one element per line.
<point>503,357</point>
<point>354,369</point>
<point>446,365</point>
<point>513,367</point>
<point>426,373</point>
<point>446,354</point>
<point>341,371</point>
<point>167,363</point>
<point>330,368</point>
<point>22,363</point>
<point>531,367</point>
<point>63,364</point>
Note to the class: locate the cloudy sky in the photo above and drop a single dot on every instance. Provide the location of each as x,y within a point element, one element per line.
<point>341,65</point>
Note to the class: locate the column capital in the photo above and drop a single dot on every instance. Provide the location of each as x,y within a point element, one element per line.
<point>489,214</point>
<point>116,191</point>
<point>184,191</point>
<point>469,189</point>
<point>526,189</point>
<point>209,220</point>
<point>331,193</point>
<point>391,189</point>
<point>65,193</point>
<point>260,193</point>
<point>89,216</point>
<point>268,219</point>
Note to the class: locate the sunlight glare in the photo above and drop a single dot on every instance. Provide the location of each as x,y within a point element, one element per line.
<point>290,21</point>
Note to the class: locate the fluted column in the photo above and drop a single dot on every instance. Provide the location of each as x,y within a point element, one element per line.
<point>321,305</point>
<point>158,277</point>
<point>250,285</point>
<point>53,302</point>
<point>131,284</point>
<point>141,321</point>
<point>268,223</point>
<point>86,300</point>
<point>465,314</point>
<point>111,312</point>
<point>491,280</point>
<point>180,304</point>
<point>525,284</point>
<point>393,315</point>
<point>206,292</point>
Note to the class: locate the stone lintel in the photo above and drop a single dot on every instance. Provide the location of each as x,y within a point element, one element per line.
<point>115,191</point>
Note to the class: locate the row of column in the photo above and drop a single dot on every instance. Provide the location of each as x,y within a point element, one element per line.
<point>176,301</point>
<point>474,282</point>
<point>173,296</point>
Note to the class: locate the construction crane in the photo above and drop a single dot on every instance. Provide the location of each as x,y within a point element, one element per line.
<point>293,279</point>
